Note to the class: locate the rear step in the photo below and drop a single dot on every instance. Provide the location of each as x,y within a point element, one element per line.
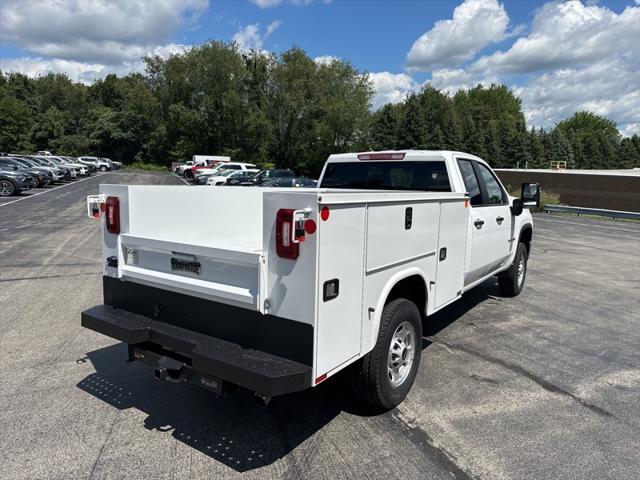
<point>261,372</point>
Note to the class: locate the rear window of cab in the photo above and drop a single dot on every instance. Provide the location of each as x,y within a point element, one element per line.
<point>428,176</point>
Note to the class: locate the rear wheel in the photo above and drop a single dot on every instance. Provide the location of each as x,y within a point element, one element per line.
<point>103,168</point>
<point>7,188</point>
<point>385,375</point>
<point>511,281</point>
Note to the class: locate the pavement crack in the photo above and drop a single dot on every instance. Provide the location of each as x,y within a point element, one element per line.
<point>424,442</point>
<point>550,387</point>
<point>104,444</point>
<point>44,277</point>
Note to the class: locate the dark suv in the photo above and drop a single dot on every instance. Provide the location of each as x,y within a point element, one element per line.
<point>266,175</point>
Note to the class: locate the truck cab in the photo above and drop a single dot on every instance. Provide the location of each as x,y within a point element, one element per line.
<point>278,289</point>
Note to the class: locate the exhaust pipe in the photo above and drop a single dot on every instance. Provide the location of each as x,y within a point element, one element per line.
<point>261,399</point>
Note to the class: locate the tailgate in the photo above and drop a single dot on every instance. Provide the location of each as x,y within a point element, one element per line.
<point>231,276</point>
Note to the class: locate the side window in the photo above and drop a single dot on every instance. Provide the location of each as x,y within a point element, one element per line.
<point>495,194</point>
<point>470,181</point>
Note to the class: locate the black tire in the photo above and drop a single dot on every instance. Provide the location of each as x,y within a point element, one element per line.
<point>511,284</point>
<point>103,168</point>
<point>371,377</point>
<point>8,188</point>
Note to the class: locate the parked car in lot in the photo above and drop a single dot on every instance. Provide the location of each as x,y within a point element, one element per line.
<point>199,172</point>
<point>96,162</point>
<point>225,176</point>
<point>265,175</point>
<point>13,182</point>
<point>278,290</point>
<point>290,182</point>
<point>81,169</point>
<point>114,165</point>
<point>182,167</point>
<point>43,176</point>
<point>201,161</point>
<point>55,162</point>
<point>55,168</point>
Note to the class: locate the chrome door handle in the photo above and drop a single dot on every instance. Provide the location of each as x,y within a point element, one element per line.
<point>478,224</point>
<point>500,220</point>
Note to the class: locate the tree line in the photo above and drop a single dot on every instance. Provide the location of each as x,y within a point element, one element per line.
<point>284,110</point>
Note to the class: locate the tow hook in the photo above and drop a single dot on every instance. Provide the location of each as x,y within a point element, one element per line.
<point>261,399</point>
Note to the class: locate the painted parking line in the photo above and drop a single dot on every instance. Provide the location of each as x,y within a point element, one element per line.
<point>51,190</point>
<point>179,177</point>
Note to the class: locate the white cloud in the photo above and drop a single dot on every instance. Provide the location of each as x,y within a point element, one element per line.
<point>575,57</point>
<point>36,66</point>
<point>452,80</point>
<point>250,37</point>
<point>275,3</point>
<point>325,59</point>
<point>95,31</point>
<point>82,71</point>
<point>391,87</point>
<point>568,34</point>
<point>475,24</point>
<point>609,88</point>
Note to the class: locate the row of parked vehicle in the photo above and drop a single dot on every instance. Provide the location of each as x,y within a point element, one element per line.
<point>24,172</point>
<point>207,172</point>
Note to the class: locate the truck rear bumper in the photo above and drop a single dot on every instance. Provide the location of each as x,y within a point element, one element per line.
<point>204,358</point>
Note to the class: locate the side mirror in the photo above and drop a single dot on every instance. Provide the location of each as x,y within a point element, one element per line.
<point>530,195</point>
<point>517,207</point>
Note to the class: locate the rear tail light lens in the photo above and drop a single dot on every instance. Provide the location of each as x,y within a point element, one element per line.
<point>112,215</point>
<point>285,247</point>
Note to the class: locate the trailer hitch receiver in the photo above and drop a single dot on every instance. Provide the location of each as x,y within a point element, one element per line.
<point>166,374</point>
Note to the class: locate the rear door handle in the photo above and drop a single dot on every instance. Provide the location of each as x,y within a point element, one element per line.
<point>500,220</point>
<point>479,224</point>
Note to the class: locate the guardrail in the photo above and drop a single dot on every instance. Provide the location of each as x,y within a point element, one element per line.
<point>592,211</point>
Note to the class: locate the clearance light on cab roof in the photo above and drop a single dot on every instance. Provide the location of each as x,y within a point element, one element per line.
<point>381,156</point>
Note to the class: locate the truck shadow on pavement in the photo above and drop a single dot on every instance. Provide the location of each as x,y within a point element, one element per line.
<point>235,430</point>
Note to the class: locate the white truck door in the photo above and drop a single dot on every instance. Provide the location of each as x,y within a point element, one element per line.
<point>496,202</point>
<point>480,255</point>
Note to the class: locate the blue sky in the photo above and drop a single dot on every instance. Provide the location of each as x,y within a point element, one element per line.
<point>559,57</point>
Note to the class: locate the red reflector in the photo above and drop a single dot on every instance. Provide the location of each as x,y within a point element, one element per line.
<point>310,226</point>
<point>321,378</point>
<point>112,215</point>
<point>285,247</point>
<point>381,156</point>
<point>324,213</point>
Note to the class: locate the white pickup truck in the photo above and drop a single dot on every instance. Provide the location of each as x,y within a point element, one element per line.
<point>275,290</point>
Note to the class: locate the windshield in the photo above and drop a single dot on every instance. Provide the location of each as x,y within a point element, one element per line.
<point>226,173</point>
<point>22,162</point>
<point>430,176</point>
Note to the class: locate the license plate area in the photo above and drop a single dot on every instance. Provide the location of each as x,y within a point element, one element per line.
<point>189,266</point>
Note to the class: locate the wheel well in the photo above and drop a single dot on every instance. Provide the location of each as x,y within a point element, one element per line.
<point>525,237</point>
<point>412,288</point>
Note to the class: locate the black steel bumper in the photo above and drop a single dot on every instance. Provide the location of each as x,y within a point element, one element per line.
<point>201,358</point>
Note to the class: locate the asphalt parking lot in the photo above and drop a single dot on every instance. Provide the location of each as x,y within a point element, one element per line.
<point>542,386</point>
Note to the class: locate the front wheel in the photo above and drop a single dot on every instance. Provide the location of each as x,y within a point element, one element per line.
<point>511,281</point>
<point>385,375</point>
<point>103,168</point>
<point>7,188</point>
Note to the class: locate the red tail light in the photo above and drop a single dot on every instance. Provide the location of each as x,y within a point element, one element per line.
<point>285,246</point>
<point>112,215</point>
